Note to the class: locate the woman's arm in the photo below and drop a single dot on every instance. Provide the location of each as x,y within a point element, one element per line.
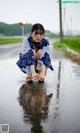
<point>34,74</point>
<point>26,57</point>
<point>26,46</point>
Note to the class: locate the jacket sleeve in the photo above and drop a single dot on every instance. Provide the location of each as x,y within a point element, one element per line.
<point>45,57</point>
<point>26,58</point>
<point>26,46</point>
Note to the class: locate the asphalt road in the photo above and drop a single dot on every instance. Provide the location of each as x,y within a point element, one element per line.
<point>49,107</point>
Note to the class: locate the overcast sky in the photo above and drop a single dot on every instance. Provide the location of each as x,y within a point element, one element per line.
<point>45,12</point>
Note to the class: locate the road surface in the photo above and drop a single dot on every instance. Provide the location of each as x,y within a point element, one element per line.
<point>49,107</point>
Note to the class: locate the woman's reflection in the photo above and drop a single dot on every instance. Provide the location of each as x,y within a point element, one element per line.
<point>35,102</point>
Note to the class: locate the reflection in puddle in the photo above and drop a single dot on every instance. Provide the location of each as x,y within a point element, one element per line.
<point>35,104</point>
<point>39,112</point>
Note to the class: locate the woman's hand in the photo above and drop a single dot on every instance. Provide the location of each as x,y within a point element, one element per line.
<point>41,76</point>
<point>35,76</point>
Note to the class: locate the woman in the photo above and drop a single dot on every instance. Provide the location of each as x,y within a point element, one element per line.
<point>34,59</point>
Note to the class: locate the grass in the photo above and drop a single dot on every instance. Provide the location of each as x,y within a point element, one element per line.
<point>10,40</point>
<point>72,43</point>
<point>61,46</point>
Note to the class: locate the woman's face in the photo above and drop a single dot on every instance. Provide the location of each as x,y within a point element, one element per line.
<point>37,35</point>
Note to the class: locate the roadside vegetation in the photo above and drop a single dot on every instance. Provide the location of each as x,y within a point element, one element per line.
<point>70,42</point>
<point>73,43</point>
<point>70,46</point>
<point>10,40</point>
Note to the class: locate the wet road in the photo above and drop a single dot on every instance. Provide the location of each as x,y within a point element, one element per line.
<point>49,107</point>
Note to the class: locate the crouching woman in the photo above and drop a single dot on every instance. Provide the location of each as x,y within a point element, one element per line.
<point>35,59</point>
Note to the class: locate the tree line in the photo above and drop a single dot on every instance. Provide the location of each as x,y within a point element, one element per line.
<point>13,29</point>
<point>16,30</point>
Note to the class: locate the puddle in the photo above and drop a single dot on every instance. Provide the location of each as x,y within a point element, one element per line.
<point>69,98</point>
<point>49,107</point>
<point>25,107</point>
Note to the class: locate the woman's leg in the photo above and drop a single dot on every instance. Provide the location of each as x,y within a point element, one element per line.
<point>42,72</point>
<point>34,75</point>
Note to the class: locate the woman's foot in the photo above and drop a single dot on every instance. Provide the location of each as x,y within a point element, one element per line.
<point>29,79</point>
<point>41,76</point>
<point>41,81</point>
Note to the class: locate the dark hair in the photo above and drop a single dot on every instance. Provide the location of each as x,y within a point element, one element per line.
<point>37,26</point>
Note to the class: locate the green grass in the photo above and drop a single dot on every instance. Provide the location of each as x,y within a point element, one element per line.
<point>73,43</point>
<point>70,42</point>
<point>10,40</point>
<point>58,45</point>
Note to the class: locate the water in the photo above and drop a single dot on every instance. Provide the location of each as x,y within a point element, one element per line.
<point>23,106</point>
<point>49,107</point>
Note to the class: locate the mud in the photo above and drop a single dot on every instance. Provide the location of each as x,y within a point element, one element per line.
<point>75,58</point>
